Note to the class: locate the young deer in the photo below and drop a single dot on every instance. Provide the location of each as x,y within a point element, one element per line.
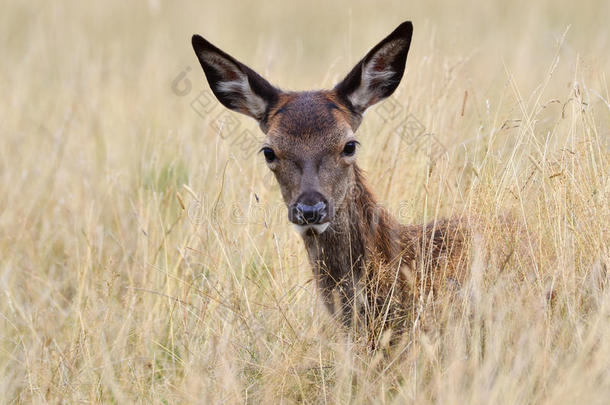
<point>364,261</point>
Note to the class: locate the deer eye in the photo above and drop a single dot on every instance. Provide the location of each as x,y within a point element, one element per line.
<point>350,148</point>
<point>269,154</point>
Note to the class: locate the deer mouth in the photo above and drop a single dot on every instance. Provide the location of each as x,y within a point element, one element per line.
<point>309,228</point>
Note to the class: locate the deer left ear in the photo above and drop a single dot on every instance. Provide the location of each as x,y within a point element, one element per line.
<point>378,74</point>
<point>235,85</point>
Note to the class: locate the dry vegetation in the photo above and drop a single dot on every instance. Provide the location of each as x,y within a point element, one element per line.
<point>145,255</point>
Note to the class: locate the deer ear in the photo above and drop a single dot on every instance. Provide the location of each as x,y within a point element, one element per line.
<point>378,74</point>
<point>235,85</point>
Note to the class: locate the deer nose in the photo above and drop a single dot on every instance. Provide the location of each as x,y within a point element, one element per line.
<point>310,214</point>
<point>311,208</point>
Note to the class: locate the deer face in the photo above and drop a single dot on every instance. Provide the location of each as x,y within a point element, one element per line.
<point>310,140</point>
<point>311,147</point>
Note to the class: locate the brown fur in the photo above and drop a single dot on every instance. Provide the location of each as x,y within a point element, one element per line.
<point>365,262</point>
<point>367,252</point>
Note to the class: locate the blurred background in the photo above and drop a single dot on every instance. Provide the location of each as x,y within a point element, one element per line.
<point>145,252</point>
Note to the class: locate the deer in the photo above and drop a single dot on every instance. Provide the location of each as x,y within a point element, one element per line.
<point>366,264</point>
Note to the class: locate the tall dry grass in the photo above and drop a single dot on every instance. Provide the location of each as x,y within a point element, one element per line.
<point>146,255</point>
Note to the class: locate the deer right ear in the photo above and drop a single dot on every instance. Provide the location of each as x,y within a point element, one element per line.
<point>378,74</point>
<point>236,86</point>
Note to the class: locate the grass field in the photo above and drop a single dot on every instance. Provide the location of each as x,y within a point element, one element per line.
<point>145,252</point>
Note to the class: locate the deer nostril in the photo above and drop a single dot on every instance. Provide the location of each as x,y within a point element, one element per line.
<point>310,214</point>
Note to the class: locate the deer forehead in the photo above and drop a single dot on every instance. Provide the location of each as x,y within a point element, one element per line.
<point>309,123</point>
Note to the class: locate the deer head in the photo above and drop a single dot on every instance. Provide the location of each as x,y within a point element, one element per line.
<point>311,139</point>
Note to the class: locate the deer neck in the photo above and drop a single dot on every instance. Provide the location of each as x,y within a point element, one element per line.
<point>361,231</point>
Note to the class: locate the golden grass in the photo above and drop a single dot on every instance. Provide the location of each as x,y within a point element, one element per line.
<point>145,256</point>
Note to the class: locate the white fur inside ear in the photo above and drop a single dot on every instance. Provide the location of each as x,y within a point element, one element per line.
<point>252,103</point>
<point>318,228</point>
<point>375,72</point>
<point>249,102</point>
